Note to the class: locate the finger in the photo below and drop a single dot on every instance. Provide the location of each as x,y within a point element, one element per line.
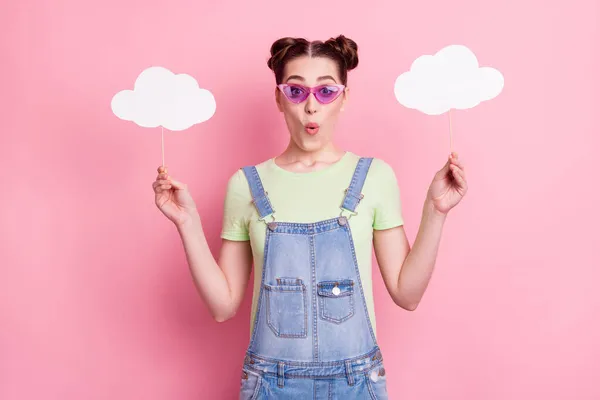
<point>162,169</point>
<point>457,162</point>
<point>459,176</point>
<point>178,185</point>
<point>461,172</point>
<point>161,185</point>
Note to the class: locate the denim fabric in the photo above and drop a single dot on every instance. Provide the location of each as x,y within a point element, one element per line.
<point>312,336</point>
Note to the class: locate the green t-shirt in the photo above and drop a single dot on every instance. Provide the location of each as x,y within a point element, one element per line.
<point>310,197</point>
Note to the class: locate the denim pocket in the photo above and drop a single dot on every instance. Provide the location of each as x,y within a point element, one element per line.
<point>250,385</point>
<point>336,300</point>
<point>286,307</point>
<point>377,383</point>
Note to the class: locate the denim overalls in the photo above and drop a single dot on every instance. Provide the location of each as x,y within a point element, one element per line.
<point>312,336</point>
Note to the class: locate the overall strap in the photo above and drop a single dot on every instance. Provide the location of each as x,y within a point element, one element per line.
<point>259,196</point>
<point>354,191</point>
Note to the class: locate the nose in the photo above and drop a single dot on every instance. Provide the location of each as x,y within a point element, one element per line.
<point>311,105</point>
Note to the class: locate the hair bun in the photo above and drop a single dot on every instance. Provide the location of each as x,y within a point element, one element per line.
<point>347,48</point>
<point>279,49</point>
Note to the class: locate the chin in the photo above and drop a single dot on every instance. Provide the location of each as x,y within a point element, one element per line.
<point>308,143</point>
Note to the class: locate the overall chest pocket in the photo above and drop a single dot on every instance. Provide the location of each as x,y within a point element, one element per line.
<point>336,300</point>
<point>287,314</point>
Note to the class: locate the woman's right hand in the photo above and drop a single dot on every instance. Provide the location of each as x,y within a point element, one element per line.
<point>173,198</point>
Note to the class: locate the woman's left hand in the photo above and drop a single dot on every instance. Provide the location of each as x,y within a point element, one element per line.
<point>449,185</point>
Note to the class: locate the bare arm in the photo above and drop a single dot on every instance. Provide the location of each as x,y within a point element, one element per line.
<point>406,272</point>
<point>222,283</point>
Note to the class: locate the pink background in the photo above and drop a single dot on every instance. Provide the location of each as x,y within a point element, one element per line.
<point>96,298</point>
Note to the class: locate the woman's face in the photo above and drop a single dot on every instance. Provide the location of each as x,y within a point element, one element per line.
<point>311,72</point>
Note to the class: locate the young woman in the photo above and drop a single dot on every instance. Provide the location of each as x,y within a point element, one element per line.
<point>308,220</point>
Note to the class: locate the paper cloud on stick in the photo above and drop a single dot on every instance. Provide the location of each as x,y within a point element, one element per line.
<point>160,97</point>
<point>449,79</point>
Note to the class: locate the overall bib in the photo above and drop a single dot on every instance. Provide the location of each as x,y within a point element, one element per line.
<point>312,335</point>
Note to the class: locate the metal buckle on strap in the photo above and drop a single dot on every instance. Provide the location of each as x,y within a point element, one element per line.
<point>352,213</point>
<point>272,224</point>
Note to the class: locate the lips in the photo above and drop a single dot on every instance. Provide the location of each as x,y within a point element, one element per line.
<point>312,128</point>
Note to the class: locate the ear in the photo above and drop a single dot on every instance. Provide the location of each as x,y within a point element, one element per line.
<point>346,95</point>
<point>278,99</point>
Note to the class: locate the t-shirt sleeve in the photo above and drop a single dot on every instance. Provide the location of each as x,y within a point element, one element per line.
<point>388,208</point>
<point>235,208</point>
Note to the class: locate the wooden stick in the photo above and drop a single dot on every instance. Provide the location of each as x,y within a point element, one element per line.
<point>162,135</point>
<point>450,124</point>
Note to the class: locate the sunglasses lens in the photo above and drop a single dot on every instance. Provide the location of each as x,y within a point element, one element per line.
<point>327,94</point>
<point>296,94</point>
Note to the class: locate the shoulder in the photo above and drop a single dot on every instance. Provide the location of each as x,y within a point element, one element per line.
<point>381,179</point>
<point>377,167</point>
<point>238,177</point>
<point>380,170</point>
<point>237,185</point>
<point>238,180</point>
<point>261,167</point>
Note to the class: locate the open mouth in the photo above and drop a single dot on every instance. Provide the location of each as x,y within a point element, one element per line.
<point>311,128</point>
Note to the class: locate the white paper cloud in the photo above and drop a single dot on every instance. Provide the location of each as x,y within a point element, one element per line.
<point>449,79</point>
<point>160,97</point>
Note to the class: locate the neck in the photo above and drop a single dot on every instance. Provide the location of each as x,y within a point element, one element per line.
<point>293,154</point>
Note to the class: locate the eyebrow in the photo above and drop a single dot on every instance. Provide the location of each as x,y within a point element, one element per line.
<point>321,78</point>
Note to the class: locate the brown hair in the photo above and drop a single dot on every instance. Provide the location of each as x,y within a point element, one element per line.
<point>341,49</point>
